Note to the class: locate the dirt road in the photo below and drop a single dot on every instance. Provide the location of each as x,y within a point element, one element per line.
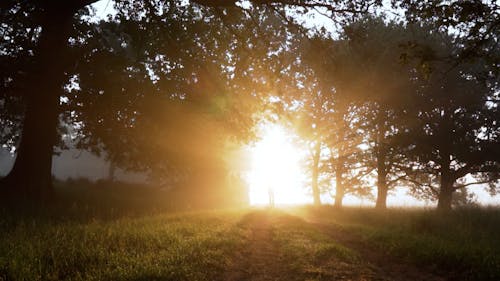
<point>281,246</point>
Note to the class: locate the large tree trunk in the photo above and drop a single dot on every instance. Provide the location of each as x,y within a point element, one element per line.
<point>315,174</point>
<point>381,155</point>
<point>446,189</point>
<point>381,193</point>
<point>382,187</point>
<point>30,177</point>
<point>445,198</point>
<point>339,183</point>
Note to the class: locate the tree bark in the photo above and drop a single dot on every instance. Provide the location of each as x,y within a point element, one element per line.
<point>315,174</point>
<point>31,177</point>
<point>446,189</point>
<point>445,198</point>
<point>381,192</point>
<point>339,183</point>
<point>382,187</point>
<point>381,155</point>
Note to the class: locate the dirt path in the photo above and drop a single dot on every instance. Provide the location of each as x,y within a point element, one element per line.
<point>259,259</point>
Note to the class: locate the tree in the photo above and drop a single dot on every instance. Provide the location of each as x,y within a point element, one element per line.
<point>308,112</point>
<point>475,23</point>
<point>331,119</point>
<point>41,87</point>
<point>188,102</point>
<point>98,90</point>
<point>456,132</point>
<point>381,82</point>
<point>319,115</point>
<point>311,120</point>
<point>44,79</point>
<point>371,89</point>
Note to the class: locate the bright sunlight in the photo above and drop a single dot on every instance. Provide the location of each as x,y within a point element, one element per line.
<point>275,167</point>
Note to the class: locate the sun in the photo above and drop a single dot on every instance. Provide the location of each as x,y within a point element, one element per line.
<point>276,166</point>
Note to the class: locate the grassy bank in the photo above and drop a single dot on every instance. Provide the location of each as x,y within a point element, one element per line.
<point>463,244</point>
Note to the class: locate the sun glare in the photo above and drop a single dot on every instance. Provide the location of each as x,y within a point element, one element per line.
<point>275,167</point>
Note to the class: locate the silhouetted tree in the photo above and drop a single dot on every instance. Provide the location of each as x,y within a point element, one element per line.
<point>380,84</point>
<point>331,117</point>
<point>310,116</point>
<point>38,35</point>
<point>457,124</point>
<point>476,24</point>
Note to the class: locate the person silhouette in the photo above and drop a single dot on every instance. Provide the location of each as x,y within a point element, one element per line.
<point>270,192</point>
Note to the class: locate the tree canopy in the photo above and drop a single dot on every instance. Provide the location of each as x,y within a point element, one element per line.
<point>166,87</point>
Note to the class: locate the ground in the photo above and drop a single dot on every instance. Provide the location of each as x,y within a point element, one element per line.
<point>251,245</point>
<point>265,256</point>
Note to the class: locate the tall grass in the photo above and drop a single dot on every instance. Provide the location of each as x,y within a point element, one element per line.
<point>115,232</point>
<point>106,232</point>
<point>162,247</point>
<point>463,244</point>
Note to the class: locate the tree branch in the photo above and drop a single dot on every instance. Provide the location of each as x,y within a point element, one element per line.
<point>473,183</point>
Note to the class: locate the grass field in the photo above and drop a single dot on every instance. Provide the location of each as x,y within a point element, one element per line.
<point>91,242</point>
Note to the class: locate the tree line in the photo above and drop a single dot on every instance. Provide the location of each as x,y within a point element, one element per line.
<point>392,102</point>
<point>166,87</point>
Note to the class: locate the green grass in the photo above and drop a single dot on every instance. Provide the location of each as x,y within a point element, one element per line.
<point>162,247</point>
<point>463,244</point>
<point>312,254</point>
<point>133,234</point>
